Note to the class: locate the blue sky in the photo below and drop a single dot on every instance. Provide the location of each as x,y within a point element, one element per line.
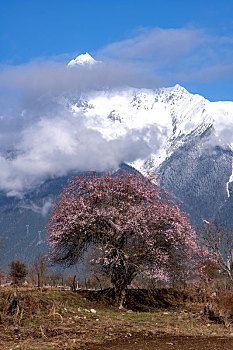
<point>186,42</point>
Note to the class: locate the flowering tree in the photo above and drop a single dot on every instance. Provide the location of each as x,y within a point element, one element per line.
<point>132,222</point>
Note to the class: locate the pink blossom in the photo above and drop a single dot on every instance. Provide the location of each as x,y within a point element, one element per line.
<point>134,222</point>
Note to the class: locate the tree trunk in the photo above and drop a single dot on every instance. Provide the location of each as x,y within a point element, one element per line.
<point>74,284</point>
<point>121,299</point>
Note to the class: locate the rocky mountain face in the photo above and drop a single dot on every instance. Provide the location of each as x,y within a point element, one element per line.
<point>191,149</point>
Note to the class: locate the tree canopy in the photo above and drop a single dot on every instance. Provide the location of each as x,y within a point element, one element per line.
<point>133,224</point>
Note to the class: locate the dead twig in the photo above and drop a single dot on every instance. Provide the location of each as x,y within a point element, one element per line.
<point>54,313</point>
<point>42,332</point>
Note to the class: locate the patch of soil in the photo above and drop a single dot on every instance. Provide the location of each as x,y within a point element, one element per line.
<point>165,342</point>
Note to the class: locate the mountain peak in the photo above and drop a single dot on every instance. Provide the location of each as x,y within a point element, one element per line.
<point>84,59</point>
<point>177,88</point>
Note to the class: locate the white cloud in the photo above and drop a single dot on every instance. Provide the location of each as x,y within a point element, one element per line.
<point>177,55</point>
<point>156,44</point>
<point>54,146</point>
<point>43,209</point>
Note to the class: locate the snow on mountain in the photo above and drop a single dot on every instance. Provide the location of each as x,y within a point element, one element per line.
<point>81,60</point>
<point>174,110</point>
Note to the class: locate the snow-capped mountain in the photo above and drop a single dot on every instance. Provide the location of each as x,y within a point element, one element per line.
<point>82,60</point>
<point>194,154</point>
<point>179,115</point>
<point>190,147</point>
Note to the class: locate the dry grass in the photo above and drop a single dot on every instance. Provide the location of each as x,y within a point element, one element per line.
<point>62,320</point>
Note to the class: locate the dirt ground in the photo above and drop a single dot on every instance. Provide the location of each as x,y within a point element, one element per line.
<point>166,342</point>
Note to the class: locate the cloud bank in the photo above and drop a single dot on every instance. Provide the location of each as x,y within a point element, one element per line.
<point>54,146</point>
<point>40,138</point>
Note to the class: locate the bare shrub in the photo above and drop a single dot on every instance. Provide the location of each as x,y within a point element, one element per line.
<point>18,271</point>
<point>223,306</point>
